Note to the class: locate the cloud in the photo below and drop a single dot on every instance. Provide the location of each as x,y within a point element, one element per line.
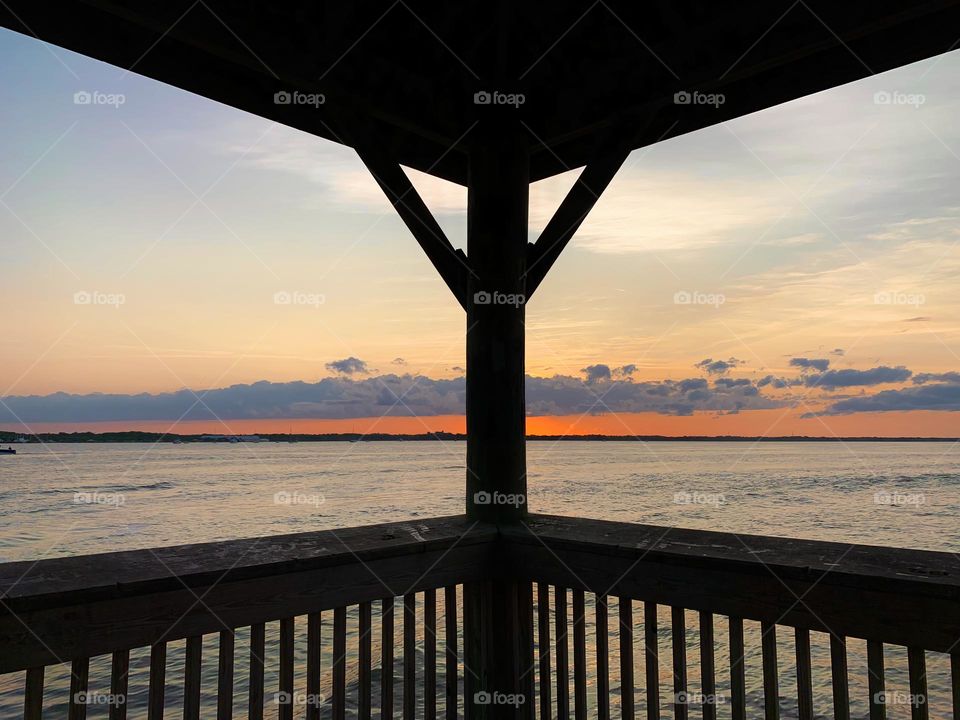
<point>718,367</point>
<point>348,366</point>
<point>398,361</point>
<point>774,382</point>
<point>345,397</point>
<point>942,396</point>
<point>820,364</point>
<point>600,391</point>
<point>564,395</point>
<point>625,371</point>
<point>837,351</point>
<point>596,373</point>
<point>858,378</point>
<point>949,377</point>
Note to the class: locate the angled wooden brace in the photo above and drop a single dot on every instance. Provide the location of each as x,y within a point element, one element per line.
<point>573,211</point>
<point>452,264</point>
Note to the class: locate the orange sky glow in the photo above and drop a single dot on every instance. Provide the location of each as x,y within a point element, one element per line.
<point>770,423</point>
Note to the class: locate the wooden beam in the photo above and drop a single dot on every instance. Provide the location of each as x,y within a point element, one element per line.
<point>451,263</point>
<point>573,211</point>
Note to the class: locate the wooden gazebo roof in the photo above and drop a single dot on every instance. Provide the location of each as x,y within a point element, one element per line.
<point>409,70</point>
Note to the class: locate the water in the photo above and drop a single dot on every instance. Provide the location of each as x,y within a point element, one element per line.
<point>75,499</point>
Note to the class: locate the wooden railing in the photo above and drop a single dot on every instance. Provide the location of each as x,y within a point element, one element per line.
<point>307,623</point>
<point>91,611</point>
<point>836,592</point>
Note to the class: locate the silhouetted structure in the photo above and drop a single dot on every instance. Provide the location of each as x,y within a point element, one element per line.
<point>492,95</point>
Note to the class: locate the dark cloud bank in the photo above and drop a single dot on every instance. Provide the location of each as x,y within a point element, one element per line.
<point>357,392</point>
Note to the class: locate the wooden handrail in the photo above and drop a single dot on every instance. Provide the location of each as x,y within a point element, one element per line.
<point>900,596</point>
<point>58,609</point>
<point>79,607</point>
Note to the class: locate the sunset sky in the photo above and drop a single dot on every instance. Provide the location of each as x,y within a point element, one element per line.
<point>791,272</point>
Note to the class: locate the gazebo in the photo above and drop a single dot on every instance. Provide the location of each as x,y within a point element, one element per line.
<point>493,96</point>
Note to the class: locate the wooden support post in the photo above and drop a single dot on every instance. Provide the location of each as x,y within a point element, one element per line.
<point>498,614</point>
<point>497,204</point>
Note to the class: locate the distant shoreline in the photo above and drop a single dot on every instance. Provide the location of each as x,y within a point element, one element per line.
<point>152,437</point>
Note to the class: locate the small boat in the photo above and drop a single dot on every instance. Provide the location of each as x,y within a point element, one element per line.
<point>7,451</point>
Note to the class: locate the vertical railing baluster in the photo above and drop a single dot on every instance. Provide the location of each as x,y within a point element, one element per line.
<point>191,678</point>
<point>450,640</point>
<point>626,658</point>
<point>579,656</point>
<point>472,647</point>
<point>678,631</point>
<point>409,656</point>
<point>771,679</point>
<point>430,654</point>
<point>79,682</point>
<point>804,675</point>
<point>955,683</point>
<point>839,674</point>
<point>156,693</point>
<point>339,663</point>
<point>364,686</point>
<point>708,670</point>
<point>876,680</point>
<point>651,641</point>
<point>386,659</point>
<point>314,625</point>
<point>917,668</point>
<point>257,648</point>
<point>603,657</point>
<point>119,682</point>
<point>524,621</point>
<point>738,681</point>
<point>543,647</point>
<point>563,652</point>
<point>33,694</point>
<point>285,679</point>
<point>225,676</point>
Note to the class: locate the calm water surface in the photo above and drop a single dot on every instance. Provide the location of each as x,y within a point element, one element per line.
<point>74,499</point>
